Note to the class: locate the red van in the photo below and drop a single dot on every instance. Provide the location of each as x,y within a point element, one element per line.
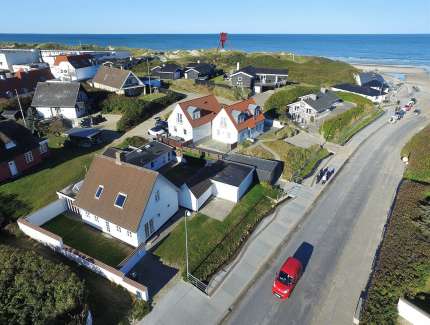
<point>287,277</point>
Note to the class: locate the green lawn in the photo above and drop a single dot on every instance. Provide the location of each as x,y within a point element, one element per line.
<point>153,96</point>
<point>418,149</point>
<point>35,190</point>
<point>88,240</point>
<point>342,127</point>
<point>213,243</point>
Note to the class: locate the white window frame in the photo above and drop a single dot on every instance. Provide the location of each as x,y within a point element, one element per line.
<point>28,157</point>
<point>179,118</point>
<point>116,198</point>
<point>128,233</point>
<point>157,196</point>
<point>101,193</point>
<point>107,226</point>
<point>118,228</point>
<point>96,218</point>
<point>43,148</point>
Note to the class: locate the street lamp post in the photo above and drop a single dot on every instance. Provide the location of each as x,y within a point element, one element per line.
<point>187,214</point>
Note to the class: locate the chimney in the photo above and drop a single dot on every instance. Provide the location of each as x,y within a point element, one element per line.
<point>118,157</point>
<point>237,66</point>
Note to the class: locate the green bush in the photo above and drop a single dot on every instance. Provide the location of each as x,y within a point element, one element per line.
<point>277,103</point>
<point>140,309</point>
<point>134,141</point>
<point>404,261</point>
<point>34,290</point>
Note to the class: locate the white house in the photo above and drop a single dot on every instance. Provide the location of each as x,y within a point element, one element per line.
<point>126,201</point>
<point>74,67</point>
<point>192,120</point>
<point>376,96</point>
<point>238,122</point>
<point>313,106</point>
<point>11,57</point>
<point>119,81</point>
<point>228,181</point>
<point>66,99</point>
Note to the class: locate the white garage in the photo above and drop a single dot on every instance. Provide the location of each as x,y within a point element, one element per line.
<point>228,181</point>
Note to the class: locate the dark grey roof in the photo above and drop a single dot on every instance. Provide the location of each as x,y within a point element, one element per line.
<point>259,163</point>
<point>253,71</point>
<point>202,68</point>
<point>233,174</point>
<point>375,83</point>
<point>322,101</point>
<point>168,68</point>
<point>82,132</point>
<point>140,156</point>
<point>367,91</point>
<point>365,77</point>
<point>56,94</point>
<point>11,131</point>
<point>220,171</point>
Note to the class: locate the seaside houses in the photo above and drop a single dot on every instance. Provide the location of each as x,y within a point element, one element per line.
<point>74,67</point>
<point>119,81</point>
<point>60,98</point>
<point>311,107</point>
<point>20,150</point>
<point>237,122</point>
<point>169,71</point>
<point>199,70</point>
<point>376,96</point>
<point>259,79</point>
<point>124,200</point>
<point>205,118</point>
<point>11,57</point>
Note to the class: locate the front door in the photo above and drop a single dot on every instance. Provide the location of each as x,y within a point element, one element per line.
<point>12,168</point>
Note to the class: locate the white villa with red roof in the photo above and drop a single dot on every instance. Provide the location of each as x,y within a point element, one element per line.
<point>205,118</point>
<point>74,67</point>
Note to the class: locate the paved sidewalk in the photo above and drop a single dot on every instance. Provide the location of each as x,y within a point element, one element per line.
<point>184,304</point>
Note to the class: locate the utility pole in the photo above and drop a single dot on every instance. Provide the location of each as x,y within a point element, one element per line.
<point>20,107</point>
<point>187,213</point>
<point>149,75</point>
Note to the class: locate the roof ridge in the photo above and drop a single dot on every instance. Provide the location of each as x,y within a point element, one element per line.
<point>126,164</point>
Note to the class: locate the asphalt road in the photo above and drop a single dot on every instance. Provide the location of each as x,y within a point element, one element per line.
<point>340,237</point>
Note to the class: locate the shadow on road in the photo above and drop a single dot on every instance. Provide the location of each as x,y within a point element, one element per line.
<point>304,253</point>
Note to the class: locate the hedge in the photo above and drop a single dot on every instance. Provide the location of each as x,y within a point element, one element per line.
<point>404,261</point>
<point>140,110</point>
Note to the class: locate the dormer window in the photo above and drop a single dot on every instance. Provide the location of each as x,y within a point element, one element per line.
<point>196,115</point>
<point>10,145</point>
<point>99,191</point>
<point>120,200</point>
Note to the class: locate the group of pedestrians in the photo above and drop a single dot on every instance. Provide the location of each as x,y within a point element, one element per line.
<point>325,174</point>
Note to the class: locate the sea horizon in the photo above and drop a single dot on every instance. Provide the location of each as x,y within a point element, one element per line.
<point>382,49</point>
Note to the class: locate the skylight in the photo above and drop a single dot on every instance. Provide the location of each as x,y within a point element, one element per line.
<point>99,191</point>
<point>120,200</point>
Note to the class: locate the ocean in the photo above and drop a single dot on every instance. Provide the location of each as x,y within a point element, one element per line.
<point>409,50</point>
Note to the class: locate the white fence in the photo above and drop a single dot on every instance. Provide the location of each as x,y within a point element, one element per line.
<point>411,313</point>
<point>30,225</point>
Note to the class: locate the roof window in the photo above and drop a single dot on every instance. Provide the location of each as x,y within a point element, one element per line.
<point>99,191</point>
<point>120,200</point>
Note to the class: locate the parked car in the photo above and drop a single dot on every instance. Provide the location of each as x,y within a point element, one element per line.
<point>156,130</point>
<point>287,278</point>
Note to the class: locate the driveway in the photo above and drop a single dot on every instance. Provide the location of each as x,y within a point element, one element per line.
<point>217,208</point>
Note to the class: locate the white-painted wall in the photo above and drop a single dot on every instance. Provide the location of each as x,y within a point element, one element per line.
<point>412,313</point>
<point>177,129</point>
<point>161,161</point>
<point>187,198</point>
<point>226,134</point>
<point>10,57</point>
<point>47,213</point>
<point>375,99</point>
<point>159,211</point>
<point>66,112</point>
<point>64,70</point>
<point>202,131</point>
<point>204,197</point>
<point>246,183</point>
<point>225,191</point>
<point>35,233</point>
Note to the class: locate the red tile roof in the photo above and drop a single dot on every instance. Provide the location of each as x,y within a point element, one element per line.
<point>24,80</point>
<point>242,106</point>
<point>77,61</point>
<point>209,108</point>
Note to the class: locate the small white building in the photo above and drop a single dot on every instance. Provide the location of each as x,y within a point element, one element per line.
<point>74,67</point>
<point>125,201</point>
<point>228,181</point>
<point>237,122</point>
<point>192,120</point>
<point>63,99</point>
<point>11,57</point>
<point>376,96</point>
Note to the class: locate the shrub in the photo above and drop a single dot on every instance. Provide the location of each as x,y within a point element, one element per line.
<point>140,309</point>
<point>36,291</point>
<point>134,141</point>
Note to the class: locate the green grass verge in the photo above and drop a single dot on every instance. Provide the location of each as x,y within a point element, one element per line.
<point>213,243</point>
<point>88,240</point>
<point>403,267</point>
<point>418,151</point>
<point>341,128</point>
<point>38,188</point>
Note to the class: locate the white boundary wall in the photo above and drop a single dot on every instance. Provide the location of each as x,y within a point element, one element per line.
<point>411,313</point>
<point>30,225</point>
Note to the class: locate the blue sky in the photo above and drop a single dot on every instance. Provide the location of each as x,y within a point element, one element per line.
<point>233,16</point>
